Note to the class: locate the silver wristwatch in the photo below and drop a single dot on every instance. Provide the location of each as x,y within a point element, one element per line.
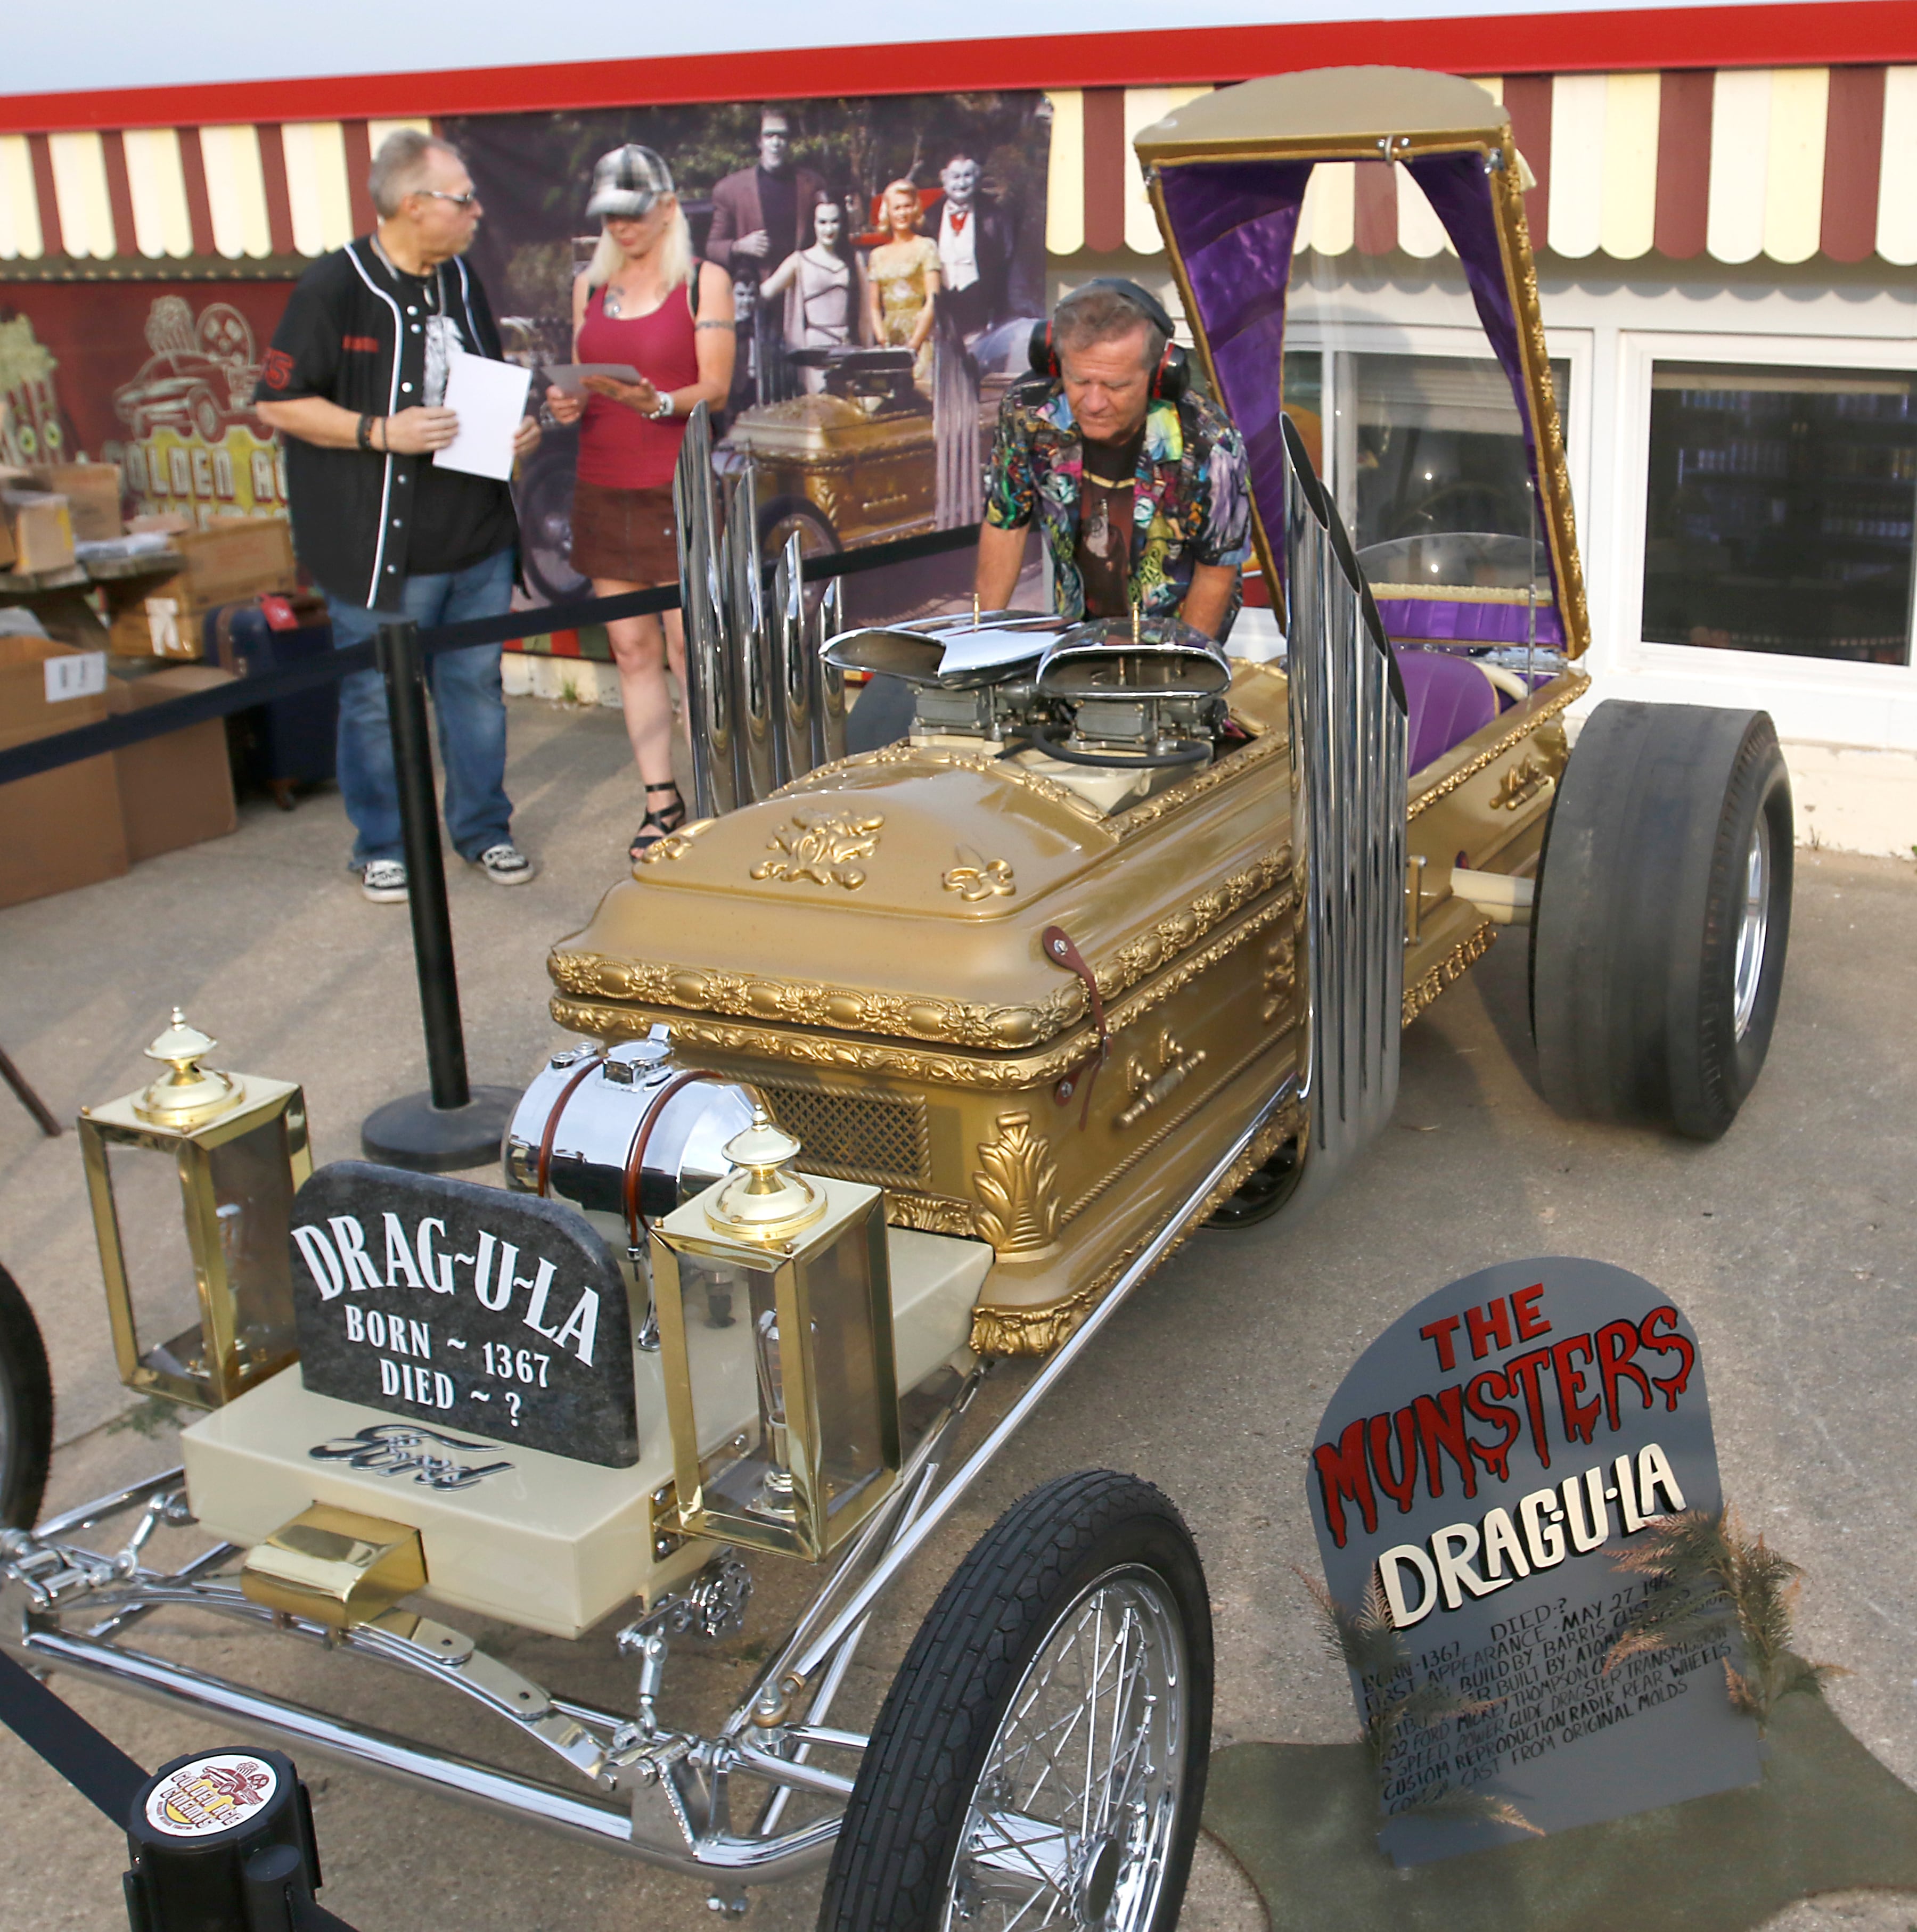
<point>664,411</point>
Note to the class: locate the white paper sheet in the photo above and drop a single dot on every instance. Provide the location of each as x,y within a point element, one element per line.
<point>569,378</point>
<point>489,398</point>
<point>984,649</point>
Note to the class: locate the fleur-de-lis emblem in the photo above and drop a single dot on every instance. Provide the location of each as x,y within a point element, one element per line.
<point>976,878</point>
<point>820,846</point>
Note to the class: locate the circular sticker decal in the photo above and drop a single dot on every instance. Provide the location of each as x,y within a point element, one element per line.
<point>212,1794</point>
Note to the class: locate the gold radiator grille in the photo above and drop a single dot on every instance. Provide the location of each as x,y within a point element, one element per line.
<point>879,1138</point>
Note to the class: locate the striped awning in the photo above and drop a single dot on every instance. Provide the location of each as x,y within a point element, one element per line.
<point>152,196</point>
<point>1781,163</point>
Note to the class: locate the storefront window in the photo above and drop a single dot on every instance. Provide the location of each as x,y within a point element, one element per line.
<point>1431,444</point>
<point>1781,510</point>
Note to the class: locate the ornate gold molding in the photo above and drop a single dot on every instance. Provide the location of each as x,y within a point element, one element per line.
<point>1449,971</point>
<point>1572,685</point>
<point>981,879</point>
<point>931,1213</point>
<point>675,844</point>
<point>821,848</point>
<point>1037,1331</point>
<point>840,1054</point>
<point>1280,975</point>
<point>1018,1208</point>
<point>910,1015</point>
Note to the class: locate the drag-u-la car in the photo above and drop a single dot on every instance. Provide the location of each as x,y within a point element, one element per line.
<point>896,1066</point>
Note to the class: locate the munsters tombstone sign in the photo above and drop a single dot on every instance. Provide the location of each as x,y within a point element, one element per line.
<point>1489,1460</point>
<point>444,1302</point>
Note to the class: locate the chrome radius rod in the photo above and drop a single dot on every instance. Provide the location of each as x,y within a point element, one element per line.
<point>796,1677</point>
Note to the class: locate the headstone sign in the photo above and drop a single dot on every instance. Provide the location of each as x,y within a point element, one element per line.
<point>499,1314</point>
<point>1489,1458</point>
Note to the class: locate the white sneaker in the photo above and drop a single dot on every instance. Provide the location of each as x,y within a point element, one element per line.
<point>506,865</point>
<point>384,881</point>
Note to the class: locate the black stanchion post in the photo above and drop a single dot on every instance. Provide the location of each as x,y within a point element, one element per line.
<point>455,1125</point>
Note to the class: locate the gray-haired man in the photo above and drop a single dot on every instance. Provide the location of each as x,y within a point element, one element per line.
<point>356,380</point>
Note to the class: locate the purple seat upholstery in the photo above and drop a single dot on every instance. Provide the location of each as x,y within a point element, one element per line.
<point>1447,697</point>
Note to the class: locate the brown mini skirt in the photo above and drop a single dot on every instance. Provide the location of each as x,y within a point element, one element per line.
<point>625,535</point>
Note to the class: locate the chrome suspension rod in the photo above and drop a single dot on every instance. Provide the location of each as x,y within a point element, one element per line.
<point>798,1673</point>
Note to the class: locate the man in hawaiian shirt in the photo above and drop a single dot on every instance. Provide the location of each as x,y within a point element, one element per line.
<point>1142,501</point>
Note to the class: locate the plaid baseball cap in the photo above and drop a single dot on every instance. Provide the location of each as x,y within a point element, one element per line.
<point>627,182</point>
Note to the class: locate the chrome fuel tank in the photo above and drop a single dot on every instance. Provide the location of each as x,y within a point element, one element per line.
<point>604,1101</point>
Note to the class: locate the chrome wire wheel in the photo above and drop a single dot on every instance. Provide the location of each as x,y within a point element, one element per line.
<point>1039,1759</point>
<point>1072,1821</point>
<point>1752,927</point>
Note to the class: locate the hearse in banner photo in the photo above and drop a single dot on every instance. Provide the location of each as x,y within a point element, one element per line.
<point>894,1067</point>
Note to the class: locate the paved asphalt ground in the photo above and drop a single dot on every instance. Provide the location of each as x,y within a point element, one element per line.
<point>1790,1244</point>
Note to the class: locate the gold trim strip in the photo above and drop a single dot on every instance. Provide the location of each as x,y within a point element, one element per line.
<point>1148,811</point>
<point>956,1023</point>
<point>1449,971</point>
<point>851,1056</point>
<point>1037,1331</point>
<point>1563,690</point>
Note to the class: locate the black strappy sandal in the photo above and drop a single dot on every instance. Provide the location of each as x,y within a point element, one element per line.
<point>659,822</point>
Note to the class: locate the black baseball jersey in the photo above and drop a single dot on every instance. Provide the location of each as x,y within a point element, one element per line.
<point>356,331</point>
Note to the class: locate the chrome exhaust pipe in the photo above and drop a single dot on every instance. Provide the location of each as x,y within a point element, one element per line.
<point>749,644</point>
<point>1348,799</point>
<point>709,702</point>
<point>791,667</point>
<point>828,688</point>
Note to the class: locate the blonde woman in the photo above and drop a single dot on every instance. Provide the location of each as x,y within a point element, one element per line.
<point>902,278</point>
<point>644,300</point>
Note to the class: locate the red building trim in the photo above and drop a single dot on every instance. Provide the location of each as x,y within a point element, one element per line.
<point>52,238</point>
<point>1683,219</point>
<point>1853,153</point>
<point>1795,33</point>
<point>279,200</point>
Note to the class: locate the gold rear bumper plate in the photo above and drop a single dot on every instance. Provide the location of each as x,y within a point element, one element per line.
<point>335,1567</point>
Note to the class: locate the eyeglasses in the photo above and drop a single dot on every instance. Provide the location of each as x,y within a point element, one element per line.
<point>465,200</point>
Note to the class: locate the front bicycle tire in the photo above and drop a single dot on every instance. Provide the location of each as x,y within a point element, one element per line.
<point>1040,1758</point>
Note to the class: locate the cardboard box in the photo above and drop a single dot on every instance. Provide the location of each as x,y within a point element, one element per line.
<point>61,828</point>
<point>176,790</point>
<point>92,491</point>
<point>6,546</point>
<point>231,560</point>
<point>41,528</point>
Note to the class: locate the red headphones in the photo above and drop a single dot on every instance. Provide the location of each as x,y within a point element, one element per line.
<point>1172,376</point>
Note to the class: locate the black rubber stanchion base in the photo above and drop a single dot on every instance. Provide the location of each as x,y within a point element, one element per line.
<point>412,1133</point>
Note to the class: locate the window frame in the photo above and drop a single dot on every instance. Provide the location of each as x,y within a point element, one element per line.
<point>1770,679</point>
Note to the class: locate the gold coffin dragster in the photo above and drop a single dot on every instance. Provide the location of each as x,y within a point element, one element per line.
<point>917,1034</point>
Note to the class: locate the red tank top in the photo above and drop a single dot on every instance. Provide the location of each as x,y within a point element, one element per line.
<point>619,448</point>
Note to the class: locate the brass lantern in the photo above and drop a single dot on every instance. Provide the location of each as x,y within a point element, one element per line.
<point>201,1299</point>
<point>775,1300</point>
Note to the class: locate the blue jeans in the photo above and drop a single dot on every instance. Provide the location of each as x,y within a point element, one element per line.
<point>467,700</point>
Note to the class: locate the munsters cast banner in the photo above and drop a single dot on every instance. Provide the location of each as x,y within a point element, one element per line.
<point>843,223</point>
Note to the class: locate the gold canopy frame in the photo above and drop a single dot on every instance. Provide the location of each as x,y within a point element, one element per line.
<point>1388,114</point>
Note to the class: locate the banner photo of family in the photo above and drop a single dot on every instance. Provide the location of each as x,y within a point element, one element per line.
<point>887,263</point>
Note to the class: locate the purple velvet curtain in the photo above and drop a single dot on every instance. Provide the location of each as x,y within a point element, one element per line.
<point>1236,222</point>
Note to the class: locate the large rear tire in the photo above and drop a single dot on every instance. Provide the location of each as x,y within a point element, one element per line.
<point>1040,1758</point>
<point>1662,916</point>
<point>26,1410</point>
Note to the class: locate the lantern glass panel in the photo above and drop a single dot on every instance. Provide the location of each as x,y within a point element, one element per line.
<point>845,1354</point>
<point>158,1258</point>
<point>735,1362</point>
<point>252,1184</point>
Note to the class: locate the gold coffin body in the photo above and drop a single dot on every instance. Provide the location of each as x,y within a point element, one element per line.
<point>864,947</point>
<point>869,476</point>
